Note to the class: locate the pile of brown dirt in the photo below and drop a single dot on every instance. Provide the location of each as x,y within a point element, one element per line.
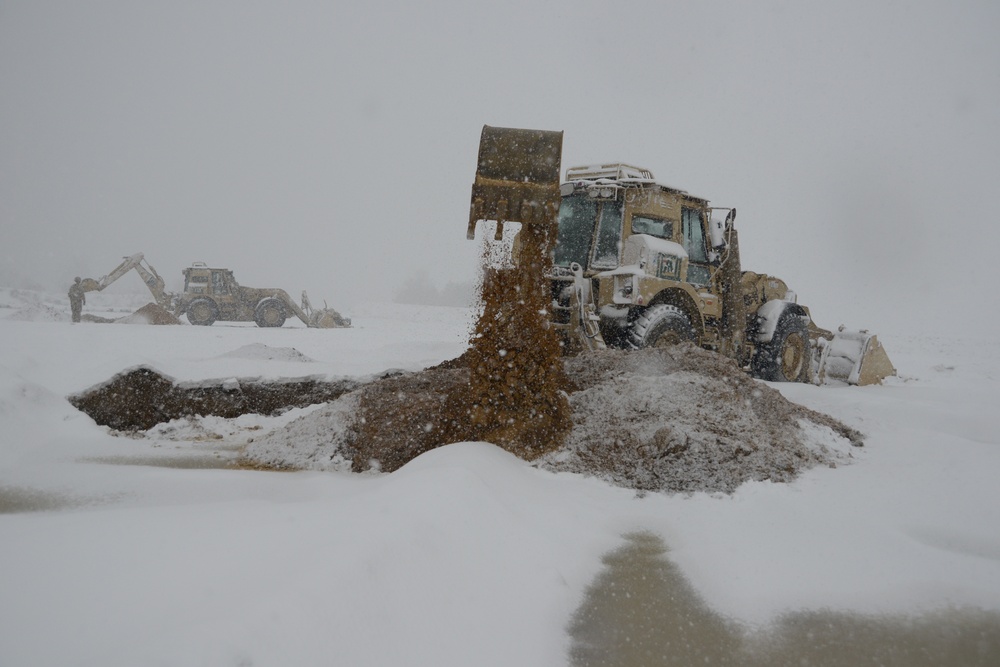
<point>97,319</point>
<point>151,313</point>
<point>514,393</point>
<point>140,398</point>
<point>677,419</point>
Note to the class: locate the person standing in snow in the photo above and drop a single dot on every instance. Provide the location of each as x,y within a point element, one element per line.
<point>76,299</point>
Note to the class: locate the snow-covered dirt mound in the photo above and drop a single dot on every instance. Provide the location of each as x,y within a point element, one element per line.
<point>678,419</point>
<point>139,398</point>
<point>684,419</point>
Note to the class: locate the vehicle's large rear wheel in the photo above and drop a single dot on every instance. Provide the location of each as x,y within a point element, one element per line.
<point>270,312</point>
<point>661,325</point>
<point>202,312</point>
<point>786,357</point>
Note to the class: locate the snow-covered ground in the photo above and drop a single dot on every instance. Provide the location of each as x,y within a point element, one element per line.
<point>139,551</point>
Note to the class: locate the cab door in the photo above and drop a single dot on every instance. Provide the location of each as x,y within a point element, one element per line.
<point>696,244</point>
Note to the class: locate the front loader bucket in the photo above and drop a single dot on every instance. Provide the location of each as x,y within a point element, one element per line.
<point>854,357</point>
<point>328,318</point>
<point>324,318</point>
<point>517,177</point>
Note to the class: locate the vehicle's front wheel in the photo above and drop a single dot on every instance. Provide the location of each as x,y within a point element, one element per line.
<point>270,313</point>
<point>661,325</point>
<point>786,357</point>
<point>202,312</point>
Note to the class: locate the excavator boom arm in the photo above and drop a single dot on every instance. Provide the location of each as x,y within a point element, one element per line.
<point>145,270</point>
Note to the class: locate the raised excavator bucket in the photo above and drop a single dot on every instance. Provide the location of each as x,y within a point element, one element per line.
<point>854,357</point>
<point>517,178</point>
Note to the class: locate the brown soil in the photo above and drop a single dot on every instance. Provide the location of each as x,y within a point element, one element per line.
<point>514,395</point>
<point>151,313</point>
<point>97,319</point>
<point>140,398</point>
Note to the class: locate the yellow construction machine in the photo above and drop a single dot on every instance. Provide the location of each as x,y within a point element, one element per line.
<point>635,263</point>
<point>212,295</point>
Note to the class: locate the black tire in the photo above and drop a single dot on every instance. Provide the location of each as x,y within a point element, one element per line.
<point>202,312</point>
<point>786,358</point>
<point>661,325</point>
<point>615,333</point>
<point>269,313</point>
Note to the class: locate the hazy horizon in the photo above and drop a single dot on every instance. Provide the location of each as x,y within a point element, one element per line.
<point>331,146</point>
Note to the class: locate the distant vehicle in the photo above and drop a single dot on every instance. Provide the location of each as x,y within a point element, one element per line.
<point>211,295</point>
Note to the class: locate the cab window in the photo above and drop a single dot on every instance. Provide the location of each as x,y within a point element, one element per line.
<point>642,224</point>
<point>577,215</point>
<point>609,236</point>
<point>196,283</point>
<point>694,235</point>
<point>218,283</point>
<point>694,244</point>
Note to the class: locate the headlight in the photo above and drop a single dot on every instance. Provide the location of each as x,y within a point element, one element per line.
<point>626,287</point>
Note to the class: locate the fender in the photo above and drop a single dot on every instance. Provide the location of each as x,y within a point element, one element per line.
<point>769,314</point>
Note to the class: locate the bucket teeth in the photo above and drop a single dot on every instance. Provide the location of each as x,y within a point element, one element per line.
<point>518,172</point>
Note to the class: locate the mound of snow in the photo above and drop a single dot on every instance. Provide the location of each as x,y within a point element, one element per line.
<point>39,312</point>
<point>320,440</point>
<point>260,351</point>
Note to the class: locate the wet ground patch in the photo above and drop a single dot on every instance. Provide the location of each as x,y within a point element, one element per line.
<point>17,499</point>
<point>187,462</point>
<point>641,611</point>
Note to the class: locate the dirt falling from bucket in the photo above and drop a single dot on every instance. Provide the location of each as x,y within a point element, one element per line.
<point>516,394</point>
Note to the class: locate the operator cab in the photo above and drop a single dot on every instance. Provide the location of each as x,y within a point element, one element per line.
<point>603,205</point>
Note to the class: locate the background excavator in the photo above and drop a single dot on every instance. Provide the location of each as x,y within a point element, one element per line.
<point>636,263</point>
<point>211,295</point>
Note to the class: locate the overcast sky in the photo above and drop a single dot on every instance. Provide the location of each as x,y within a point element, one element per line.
<point>331,146</point>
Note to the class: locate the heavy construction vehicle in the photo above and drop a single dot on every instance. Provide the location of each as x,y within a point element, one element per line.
<point>212,295</point>
<point>636,263</point>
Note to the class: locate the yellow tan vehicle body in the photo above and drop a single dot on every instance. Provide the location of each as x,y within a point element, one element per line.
<point>639,263</point>
<point>213,294</point>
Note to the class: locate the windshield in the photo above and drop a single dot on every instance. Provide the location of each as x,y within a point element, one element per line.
<point>579,215</point>
<point>609,236</point>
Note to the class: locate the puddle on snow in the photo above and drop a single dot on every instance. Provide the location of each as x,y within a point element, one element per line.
<point>16,499</point>
<point>189,462</point>
<point>641,611</point>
